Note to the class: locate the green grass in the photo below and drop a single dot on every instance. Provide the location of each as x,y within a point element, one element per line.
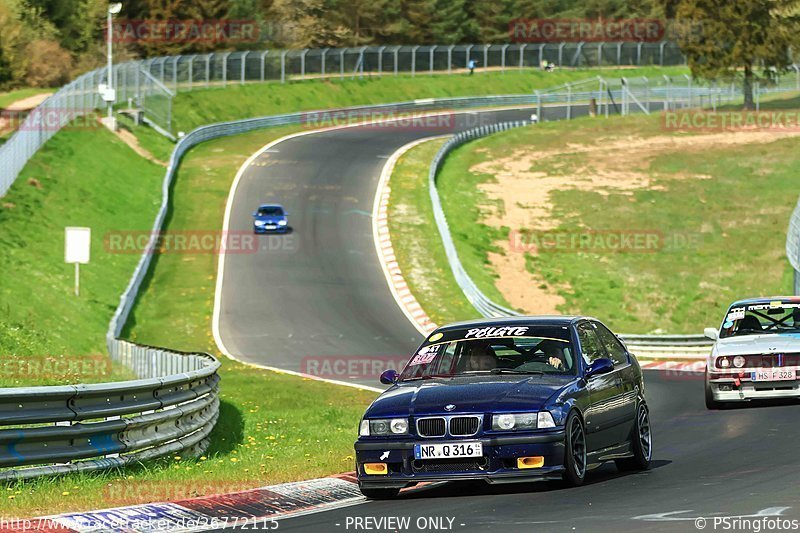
<point>416,241</point>
<point>260,438</point>
<point>82,177</point>
<point>737,216</point>
<point>12,96</point>
<point>195,108</point>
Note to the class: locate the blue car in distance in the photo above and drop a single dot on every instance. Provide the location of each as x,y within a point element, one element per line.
<point>270,218</point>
<point>506,400</point>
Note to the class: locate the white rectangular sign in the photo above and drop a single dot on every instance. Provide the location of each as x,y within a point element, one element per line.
<point>77,246</point>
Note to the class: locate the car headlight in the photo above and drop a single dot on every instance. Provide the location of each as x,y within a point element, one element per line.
<point>723,362</point>
<point>739,361</point>
<point>384,426</point>
<point>260,222</point>
<point>515,421</point>
<point>282,222</point>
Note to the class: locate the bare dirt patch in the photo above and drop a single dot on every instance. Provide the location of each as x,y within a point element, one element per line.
<point>130,139</point>
<point>520,195</point>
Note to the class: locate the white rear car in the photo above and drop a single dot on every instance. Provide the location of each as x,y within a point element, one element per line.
<point>756,354</point>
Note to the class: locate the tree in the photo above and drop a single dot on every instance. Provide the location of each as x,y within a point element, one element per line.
<point>723,39</point>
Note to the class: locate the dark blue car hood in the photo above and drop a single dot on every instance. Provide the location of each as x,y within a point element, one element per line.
<point>471,394</point>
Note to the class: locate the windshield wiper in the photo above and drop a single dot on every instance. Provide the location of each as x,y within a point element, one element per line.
<point>432,376</point>
<point>515,371</point>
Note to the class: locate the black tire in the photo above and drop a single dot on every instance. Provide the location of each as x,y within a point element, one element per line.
<point>379,494</point>
<point>574,451</point>
<point>641,442</point>
<point>711,403</point>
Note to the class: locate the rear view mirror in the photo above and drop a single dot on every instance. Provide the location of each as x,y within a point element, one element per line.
<point>600,366</point>
<point>389,377</point>
<point>711,333</point>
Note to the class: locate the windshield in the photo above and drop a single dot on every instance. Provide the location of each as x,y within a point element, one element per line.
<point>761,318</point>
<point>270,211</point>
<point>550,352</point>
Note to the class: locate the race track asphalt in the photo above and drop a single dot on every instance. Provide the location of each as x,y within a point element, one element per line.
<point>316,298</point>
<point>705,464</point>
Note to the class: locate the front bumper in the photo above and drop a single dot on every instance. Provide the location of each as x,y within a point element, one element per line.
<point>276,229</point>
<point>498,464</point>
<point>737,386</point>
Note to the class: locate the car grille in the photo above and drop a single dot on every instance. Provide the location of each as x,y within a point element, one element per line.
<point>462,426</point>
<point>457,426</point>
<point>431,427</point>
<point>774,360</point>
<point>449,465</point>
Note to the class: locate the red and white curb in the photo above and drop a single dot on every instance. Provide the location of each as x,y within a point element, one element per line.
<point>383,245</point>
<point>250,509</point>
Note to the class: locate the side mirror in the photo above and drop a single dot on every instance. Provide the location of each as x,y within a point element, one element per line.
<point>600,366</point>
<point>286,213</point>
<point>389,377</point>
<point>711,333</point>
<point>255,213</point>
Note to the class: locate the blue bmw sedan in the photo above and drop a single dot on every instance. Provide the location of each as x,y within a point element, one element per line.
<point>506,400</point>
<point>270,218</point>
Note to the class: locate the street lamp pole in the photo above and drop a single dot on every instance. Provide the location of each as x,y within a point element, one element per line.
<point>113,9</point>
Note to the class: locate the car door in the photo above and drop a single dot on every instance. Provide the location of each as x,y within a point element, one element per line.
<point>603,389</point>
<point>625,375</point>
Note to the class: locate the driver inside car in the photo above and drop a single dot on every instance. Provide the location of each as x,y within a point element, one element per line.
<point>481,357</point>
<point>554,354</point>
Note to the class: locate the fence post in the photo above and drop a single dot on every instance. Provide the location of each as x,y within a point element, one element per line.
<point>322,62</point>
<point>668,99</point>
<point>503,58</point>
<point>283,66</point>
<point>619,54</point>
<point>796,77</point>
<point>599,53</point>
<point>430,59</point>
<point>689,88</point>
<point>208,69</point>
<point>303,63</point>
<point>485,57</point>
<point>244,63</point>
<point>569,101</point>
<point>538,106</point>
<point>522,55</point>
<point>263,63</point>
<point>396,52</point>
<point>190,75</point>
<point>661,53</point>
<point>225,68</point>
<point>639,54</point>
<point>646,93</point>
<point>380,60</point>
<point>467,52</point>
<point>561,54</point>
<point>342,52</point>
<point>541,54</point>
<point>414,60</point>
<point>450,58</point>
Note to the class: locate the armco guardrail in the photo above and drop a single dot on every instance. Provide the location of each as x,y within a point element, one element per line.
<point>79,428</point>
